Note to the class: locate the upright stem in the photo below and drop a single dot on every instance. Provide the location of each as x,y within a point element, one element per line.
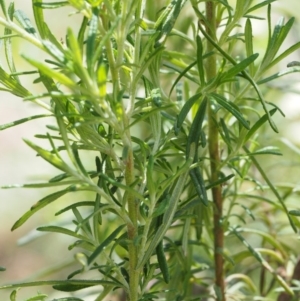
<point>213,142</point>
<point>132,230</point>
<point>136,7</point>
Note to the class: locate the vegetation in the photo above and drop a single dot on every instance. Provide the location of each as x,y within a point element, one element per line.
<point>170,100</point>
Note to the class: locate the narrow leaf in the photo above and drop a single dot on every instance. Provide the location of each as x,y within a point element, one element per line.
<point>182,73</point>
<point>279,34</point>
<point>249,43</point>
<point>239,67</point>
<point>68,285</point>
<point>268,150</point>
<point>20,121</point>
<point>104,244</point>
<point>3,7</point>
<point>259,5</point>
<point>13,85</point>
<point>294,212</point>
<point>167,218</point>
<point>50,5</point>
<point>279,74</point>
<point>53,159</point>
<point>230,108</point>
<point>39,18</point>
<point>200,60</point>
<point>91,38</point>
<point>25,22</point>
<point>56,229</point>
<point>8,45</point>
<point>56,75</point>
<point>162,262</point>
<point>184,111</point>
<point>44,202</point>
<point>273,188</point>
<point>172,13</point>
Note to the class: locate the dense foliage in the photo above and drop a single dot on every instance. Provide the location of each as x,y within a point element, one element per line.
<point>170,100</point>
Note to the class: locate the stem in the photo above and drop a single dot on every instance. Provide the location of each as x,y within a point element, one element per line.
<point>132,227</point>
<point>136,7</point>
<point>22,33</point>
<point>213,145</point>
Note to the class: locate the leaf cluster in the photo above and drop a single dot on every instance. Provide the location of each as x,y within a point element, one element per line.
<point>118,92</point>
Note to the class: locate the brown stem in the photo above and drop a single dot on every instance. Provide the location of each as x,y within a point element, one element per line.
<point>213,141</point>
<point>132,229</point>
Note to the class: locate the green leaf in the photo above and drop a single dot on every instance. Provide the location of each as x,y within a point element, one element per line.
<point>220,181</point>
<point>264,263</point>
<point>196,128</point>
<point>81,33</point>
<point>57,229</point>
<point>243,74</point>
<point>162,262</point>
<point>268,150</point>
<point>20,121</point>
<point>50,36</point>
<point>122,186</point>
<point>239,67</point>
<point>200,60</point>
<point>75,48</point>
<point>39,18</point>
<point>279,74</point>
<point>13,85</point>
<point>294,212</point>
<point>79,204</point>
<point>63,285</point>
<point>66,299</point>
<point>13,295</point>
<point>41,185</point>
<point>230,108</point>
<point>2,269</point>
<point>8,45</point>
<point>184,111</point>
<point>56,75</point>
<point>91,39</point>
<point>44,202</point>
<point>168,216</point>
<point>52,158</point>
<point>182,73</point>
<point>3,7</point>
<point>272,187</point>
<point>167,20</point>
<point>50,5</point>
<point>25,22</point>
<point>150,182</point>
<point>279,34</point>
<point>104,244</point>
<point>56,52</point>
<point>199,185</point>
<point>40,297</point>
<point>162,207</point>
<point>258,124</point>
<point>192,151</point>
<point>259,5</point>
<point>249,44</point>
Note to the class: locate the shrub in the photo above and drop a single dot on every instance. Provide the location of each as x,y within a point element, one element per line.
<point>170,100</point>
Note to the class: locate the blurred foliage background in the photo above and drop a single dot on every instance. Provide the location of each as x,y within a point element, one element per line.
<point>18,163</point>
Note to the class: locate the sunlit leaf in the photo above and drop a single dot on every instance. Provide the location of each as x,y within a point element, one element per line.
<point>44,202</point>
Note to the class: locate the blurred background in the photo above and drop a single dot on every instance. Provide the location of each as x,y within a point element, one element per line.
<point>24,256</point>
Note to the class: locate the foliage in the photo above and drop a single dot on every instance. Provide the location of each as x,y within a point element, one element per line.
<point>179,188</point>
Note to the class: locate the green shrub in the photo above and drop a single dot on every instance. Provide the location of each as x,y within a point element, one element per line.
<point>169,99</point>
